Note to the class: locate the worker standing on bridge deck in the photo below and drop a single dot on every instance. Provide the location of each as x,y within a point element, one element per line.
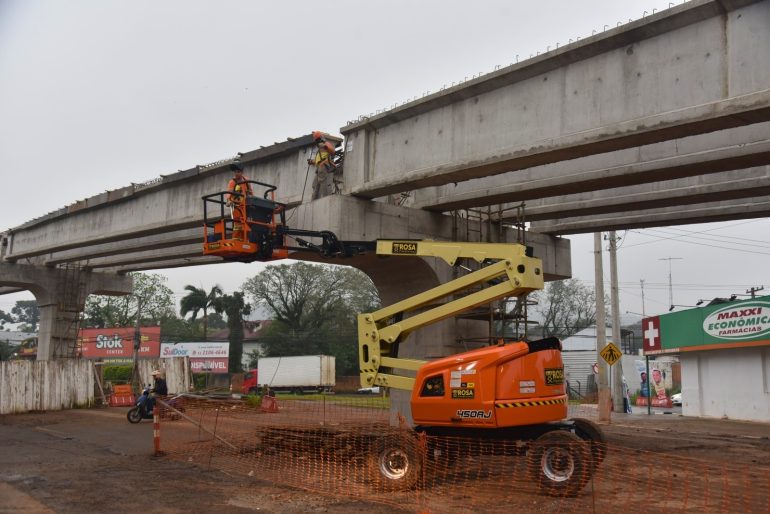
<point>323,183</point>
<point>240,186</point>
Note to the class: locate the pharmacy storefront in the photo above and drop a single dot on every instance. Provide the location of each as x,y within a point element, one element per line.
<point>724,350</point>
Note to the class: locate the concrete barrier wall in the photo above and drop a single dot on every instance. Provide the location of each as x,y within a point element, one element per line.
<point>45,385</point>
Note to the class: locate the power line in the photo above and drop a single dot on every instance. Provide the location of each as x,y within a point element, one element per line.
<point>718,239</point>
<point>659,239</point>
<point>721,236</point>
<point>665,284</point>
<point>679,240</point>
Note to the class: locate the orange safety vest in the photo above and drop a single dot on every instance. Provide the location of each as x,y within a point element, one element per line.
<point>237,187</point>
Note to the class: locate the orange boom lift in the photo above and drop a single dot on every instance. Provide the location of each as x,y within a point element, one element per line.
<point>509,390</point>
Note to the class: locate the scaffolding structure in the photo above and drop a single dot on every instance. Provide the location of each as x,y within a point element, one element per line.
<point>506,317</point>
<point>69,312</point>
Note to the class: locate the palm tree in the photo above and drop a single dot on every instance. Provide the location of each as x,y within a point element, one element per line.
<point>198,300</point>
<point>235,308</point>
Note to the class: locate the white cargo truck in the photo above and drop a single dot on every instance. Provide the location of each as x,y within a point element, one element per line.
<point>303,373</point>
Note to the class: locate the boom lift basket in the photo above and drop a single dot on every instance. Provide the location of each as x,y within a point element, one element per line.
<point>246,228</point>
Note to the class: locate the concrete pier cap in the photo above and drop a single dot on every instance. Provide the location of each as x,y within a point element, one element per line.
<point>60,295</point>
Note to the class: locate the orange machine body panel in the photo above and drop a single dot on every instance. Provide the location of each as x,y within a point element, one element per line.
<point>507,385</point>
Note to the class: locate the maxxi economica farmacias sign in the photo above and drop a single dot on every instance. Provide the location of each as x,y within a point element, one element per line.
<point>726,325</point>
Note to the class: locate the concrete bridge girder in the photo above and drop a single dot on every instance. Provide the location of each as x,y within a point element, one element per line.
<point>748,183</point>
<point>754,108</point>
<point>677,74</point>
<point>172,204</point>
<point>692,156</point>
<point>740,209</point>
<point>10,290</point>
<point>188,251</point>
<point>354,219</point>
<point>129,246</point>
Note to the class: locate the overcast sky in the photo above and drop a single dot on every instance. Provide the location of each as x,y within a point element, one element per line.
<point>97,94</point>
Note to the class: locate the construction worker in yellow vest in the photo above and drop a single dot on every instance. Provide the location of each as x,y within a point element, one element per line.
<point>323,183</point>
<point>240,186</point>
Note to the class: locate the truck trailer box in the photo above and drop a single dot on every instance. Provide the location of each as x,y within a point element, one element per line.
<point>298,373</point>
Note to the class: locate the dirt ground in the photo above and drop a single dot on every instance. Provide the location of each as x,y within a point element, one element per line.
<point>95,461</point>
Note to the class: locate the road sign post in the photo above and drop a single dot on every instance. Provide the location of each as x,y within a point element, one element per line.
<point>611,354</point>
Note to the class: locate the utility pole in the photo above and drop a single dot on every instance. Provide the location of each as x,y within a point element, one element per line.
<point>617,370</point>
<point>670,283</point>
<point>641,281</point>
<point>754,290</point>
<point>136,381</point>
<point>601,331</point>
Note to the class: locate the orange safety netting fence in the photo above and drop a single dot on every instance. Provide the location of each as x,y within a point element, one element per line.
<point>354,447</point>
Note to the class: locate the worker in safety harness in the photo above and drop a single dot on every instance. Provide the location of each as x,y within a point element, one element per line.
<point>323,183</point>
<point>240,189</point>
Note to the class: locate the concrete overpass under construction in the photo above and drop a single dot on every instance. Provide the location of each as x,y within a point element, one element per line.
<point>665,120</point>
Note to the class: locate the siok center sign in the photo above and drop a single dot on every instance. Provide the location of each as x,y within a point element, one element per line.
<point>611,353</point>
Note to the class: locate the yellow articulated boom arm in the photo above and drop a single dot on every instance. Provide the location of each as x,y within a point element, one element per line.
<point>507,271</point>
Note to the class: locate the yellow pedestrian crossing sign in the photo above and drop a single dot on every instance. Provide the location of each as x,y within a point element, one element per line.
<point>611,353</point>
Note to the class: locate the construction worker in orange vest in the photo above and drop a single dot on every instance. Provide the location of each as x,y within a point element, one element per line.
<point>240,189</point>
<point>323,183</point>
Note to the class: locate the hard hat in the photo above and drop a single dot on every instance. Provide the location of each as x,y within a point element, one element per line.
<point>317,135</point>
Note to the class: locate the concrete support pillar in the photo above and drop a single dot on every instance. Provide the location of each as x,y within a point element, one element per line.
<point>60,295</point>
<point>57,332</point>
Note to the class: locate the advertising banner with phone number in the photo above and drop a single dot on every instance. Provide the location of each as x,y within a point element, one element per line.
<point>205,357</point>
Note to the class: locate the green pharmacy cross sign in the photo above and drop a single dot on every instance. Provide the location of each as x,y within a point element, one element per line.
<point>725,325</point>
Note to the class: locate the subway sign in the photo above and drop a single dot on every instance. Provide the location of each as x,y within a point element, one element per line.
<point>726,325</point>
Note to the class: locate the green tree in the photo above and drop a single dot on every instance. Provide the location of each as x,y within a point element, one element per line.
<point>198,300</point>
<point>565,307</point>
<point>27,312</point>
<point>175,330</point>
<point>150,295</point>
<point>235,308</point>
<point>5,318</point>
<point>253,359</point>
<point>217,321</point>
<point>314,309</point>
<point>6,351</point>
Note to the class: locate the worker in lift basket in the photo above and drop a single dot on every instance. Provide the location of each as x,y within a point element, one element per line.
<point>237,202</point>
<point>323,183</point>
